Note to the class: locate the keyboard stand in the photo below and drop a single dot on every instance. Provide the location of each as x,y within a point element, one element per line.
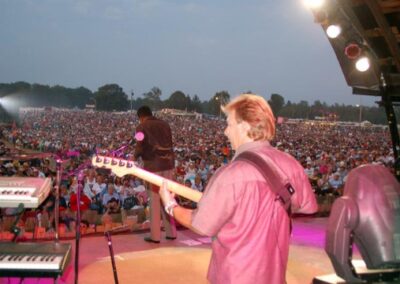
<point>15,230</point>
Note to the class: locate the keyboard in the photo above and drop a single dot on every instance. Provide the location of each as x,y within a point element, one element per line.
<point>34,259</point>
<point>26,190</point>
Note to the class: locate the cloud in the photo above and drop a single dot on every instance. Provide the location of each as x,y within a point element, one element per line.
<point>110,10</point>
<point>83,7</point>
<point>113,13</point>
<point>192,7</point>
<point>148,4</point>
<point>201,41</point>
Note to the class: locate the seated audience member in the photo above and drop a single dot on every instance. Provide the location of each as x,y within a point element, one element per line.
<point>117,184</point>
<point>314,178</point>
<point>141,193</point>
<point>48,208</point>
<point>190,172</point>
<point>336,184</point>
<point>309,169</point>
<point>92,190</point>
<point>64,193</point>
<point>198,184</point>
<point>111,193</point>
<point>84,202</point>
<point>130,201</point>
<point>342,171</point>
<point>112,207</point>
<point>203,171</point>
<point>125,189</point>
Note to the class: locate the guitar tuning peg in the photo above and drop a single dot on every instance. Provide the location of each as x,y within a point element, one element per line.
<point>106,161</point>
<point>121,163</point>
<point>98,159</point>
<point>114,162</point>
<point>129,165</point>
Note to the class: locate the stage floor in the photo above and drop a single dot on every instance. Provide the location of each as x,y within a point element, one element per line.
<point>184,260</point>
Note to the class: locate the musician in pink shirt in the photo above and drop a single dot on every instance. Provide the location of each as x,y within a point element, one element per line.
<point>249,225</point>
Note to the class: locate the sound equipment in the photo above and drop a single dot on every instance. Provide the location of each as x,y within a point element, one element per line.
<point>34,259</point>
<point>29,191</point>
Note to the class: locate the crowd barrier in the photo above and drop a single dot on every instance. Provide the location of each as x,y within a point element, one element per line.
<point>92,222</point>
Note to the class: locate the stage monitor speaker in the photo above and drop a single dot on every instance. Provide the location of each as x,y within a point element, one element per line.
<point>368,214</point>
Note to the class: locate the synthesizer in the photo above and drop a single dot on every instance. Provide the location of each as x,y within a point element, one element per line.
<point>34,259</point>
<point>30,191</point>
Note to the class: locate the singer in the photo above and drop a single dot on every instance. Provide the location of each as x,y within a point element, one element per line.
<point>156,150</point>
<point>239,208</point>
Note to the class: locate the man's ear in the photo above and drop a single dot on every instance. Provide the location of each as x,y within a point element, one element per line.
<point>244,127</point>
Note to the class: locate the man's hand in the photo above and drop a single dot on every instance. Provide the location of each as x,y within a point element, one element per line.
<point>167,199</point>
<point>165,194</point>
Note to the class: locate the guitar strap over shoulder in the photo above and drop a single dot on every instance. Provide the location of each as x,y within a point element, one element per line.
<point>277,180</point>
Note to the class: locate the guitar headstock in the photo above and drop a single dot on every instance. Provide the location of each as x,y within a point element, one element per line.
<point>119,167</point>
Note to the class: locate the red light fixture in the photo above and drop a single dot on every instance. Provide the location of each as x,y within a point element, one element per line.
<point>352,51</point>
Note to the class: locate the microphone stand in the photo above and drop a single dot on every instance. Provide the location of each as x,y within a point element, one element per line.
<point>57,201</point>
<point>117,152</point>
<point>78,224</point>
<point>59,167</point>
<point>114,268</point>
<point>107,234</point>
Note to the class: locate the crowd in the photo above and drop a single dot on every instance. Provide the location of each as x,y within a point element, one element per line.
<point>327,152</point>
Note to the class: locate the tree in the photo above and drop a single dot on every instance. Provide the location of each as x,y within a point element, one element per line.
<point>196,104</point>
<point>177,100</point>
<point>153,98</point>
<point>219,99</point>
<point>317,109</point>
<point>154,94</point>
<point>111,97</point>
<point>276,102</point>
<point>80,97</point>
<point>303,109</point>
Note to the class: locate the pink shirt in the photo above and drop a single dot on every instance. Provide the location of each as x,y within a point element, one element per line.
<point>251,230</point>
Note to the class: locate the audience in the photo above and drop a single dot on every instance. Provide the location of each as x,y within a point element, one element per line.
<point>327,151</point>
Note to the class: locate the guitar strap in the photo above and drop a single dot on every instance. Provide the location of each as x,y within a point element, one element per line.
<point>277,180</point>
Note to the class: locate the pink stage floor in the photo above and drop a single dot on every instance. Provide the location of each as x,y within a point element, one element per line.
<point>183,260</point>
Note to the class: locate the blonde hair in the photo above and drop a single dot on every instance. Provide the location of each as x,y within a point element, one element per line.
<point>256,111</point>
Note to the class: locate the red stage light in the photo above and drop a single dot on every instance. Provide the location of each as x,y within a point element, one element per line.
<point>352,51</point>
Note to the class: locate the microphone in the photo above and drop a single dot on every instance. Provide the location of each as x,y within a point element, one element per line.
<point>139,136</point>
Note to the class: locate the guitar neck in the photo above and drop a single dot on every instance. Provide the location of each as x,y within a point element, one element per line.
<point>124,167</point>
<point>184,191</point>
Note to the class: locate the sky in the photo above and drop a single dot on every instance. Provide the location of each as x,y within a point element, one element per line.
<point>198,47</point>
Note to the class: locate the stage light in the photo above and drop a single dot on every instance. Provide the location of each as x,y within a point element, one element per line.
<point>320,16</point>
<point>352,50</point>
<point>333,31</point>
<point>362,64</point>
<point>314,4</point>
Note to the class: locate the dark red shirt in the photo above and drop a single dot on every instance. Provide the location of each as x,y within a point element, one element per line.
<point>156,148</point>
<point>84,204</point>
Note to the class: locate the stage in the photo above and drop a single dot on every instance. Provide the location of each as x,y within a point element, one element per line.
<point>183,260</point>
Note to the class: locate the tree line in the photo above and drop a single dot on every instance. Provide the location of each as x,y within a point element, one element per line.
<point>111,97</point>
